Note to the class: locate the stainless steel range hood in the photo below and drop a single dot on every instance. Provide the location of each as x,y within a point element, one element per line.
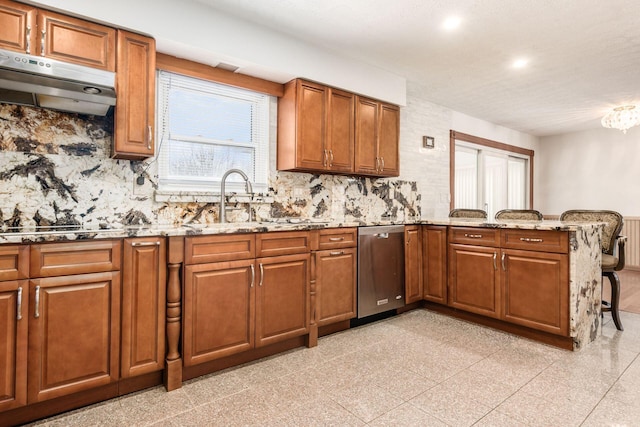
<point>42,82</point>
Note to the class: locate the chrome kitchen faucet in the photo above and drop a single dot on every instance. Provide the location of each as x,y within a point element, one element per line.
<point>223,202</point>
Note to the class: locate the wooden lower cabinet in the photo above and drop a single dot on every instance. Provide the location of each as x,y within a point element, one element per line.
<point>474,279</point>
<point>219,310</point>
<point>336,297</point>
<point>74,334</point>
<point>434,268</point>
<point>14,297</point>
<point>282,298</point>
<point>535,287</point>
<point>143,306</point>
<point>413,263</point>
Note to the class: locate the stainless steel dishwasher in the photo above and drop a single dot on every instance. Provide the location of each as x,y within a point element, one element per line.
<point>380,269</point>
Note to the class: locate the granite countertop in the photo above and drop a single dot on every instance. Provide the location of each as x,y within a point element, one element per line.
<point>50,234</point>
<point>513,224</point>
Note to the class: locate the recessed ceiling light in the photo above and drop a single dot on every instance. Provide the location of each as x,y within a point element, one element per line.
<point>451,23</point>
<point>520,63</point>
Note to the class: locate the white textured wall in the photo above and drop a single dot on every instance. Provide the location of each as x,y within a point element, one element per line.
<point>191,30</point>
<point>430,167</point>
<point>595,169</point>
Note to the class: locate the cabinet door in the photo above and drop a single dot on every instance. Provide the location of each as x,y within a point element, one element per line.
<point>434,250</point>
<point>135,89</point>
<point>366,157</point>
<point>74,334</point>
<point>340,131</point>
<point>336,298</point>
<point>413,263</point>
<point>311,127</point>
<point>77,41</point>
<point>282,298</point>
<point>219,302</point>
<point>17,27</point>
<point>144,287</point>
<point>536,290</point>
<point>474,279</point>
<point>388,140</point>
<point>14,297</point>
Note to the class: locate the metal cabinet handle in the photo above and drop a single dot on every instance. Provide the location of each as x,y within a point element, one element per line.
<point>324,158</point>
<point>330,158</point>
<point>336,253</point>
<point>36,313</point>
<point>19,304</point>
<point>382,235</point>
<point>502,262</point>
<point>138,244</point>
<point>382,161</point>
<point>261,274</point>
<point>253,275</point>
<point>495,256</point>
<point>336,239</point>
<point>28,34</point>
<point>473,236</point>
<point>149,137</point>
<point>527,239</point>
<point>377,164</point>
<point>42,43</point>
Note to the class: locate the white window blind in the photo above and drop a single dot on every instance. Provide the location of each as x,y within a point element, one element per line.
<point>490,178</point>
<point>205,129</point>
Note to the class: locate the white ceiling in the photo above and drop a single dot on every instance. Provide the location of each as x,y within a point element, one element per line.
<point>584,55</point>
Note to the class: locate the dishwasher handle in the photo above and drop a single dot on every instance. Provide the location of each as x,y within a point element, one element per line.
<point>382,235</point>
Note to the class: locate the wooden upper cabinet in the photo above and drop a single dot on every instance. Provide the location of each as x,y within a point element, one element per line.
<point>135,90</point>
<point>389,140</point>
<point>315,128</point>
<point>17,27</point>
<point>366,154</point>
<point>77,41</point>
<point>377,138</point>
<point>340,131</point>
<point>311,126</point>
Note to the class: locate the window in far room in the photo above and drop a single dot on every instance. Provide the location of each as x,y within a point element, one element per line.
<point>489,175</point>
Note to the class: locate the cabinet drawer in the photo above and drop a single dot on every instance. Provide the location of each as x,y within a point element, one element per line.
<point>474,236</point>
<point>282,243</point>
<point>224,247</point>
<point>536,240</point>
<point>333,238</point>
<point>61,259</point>
<point>14,262</point>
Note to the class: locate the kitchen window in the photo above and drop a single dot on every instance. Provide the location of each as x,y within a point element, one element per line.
<point>490,176</point>
<point>205,129</point>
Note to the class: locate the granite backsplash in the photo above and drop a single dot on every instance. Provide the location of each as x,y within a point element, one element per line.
<point>55,169</point>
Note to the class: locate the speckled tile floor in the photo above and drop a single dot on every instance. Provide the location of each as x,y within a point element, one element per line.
<point>416,369</point>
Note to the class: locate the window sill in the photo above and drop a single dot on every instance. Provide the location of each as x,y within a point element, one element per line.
<point>209,197</point>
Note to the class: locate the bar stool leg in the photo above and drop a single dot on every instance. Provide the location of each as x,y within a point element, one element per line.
<point>615,298</point>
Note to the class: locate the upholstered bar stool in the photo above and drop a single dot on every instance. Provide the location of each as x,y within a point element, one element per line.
<point>519,214</point>
<point>612,251</point>
<point>468,213</point>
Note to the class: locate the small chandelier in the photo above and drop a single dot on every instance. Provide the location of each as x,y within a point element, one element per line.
<point>622,118</point>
